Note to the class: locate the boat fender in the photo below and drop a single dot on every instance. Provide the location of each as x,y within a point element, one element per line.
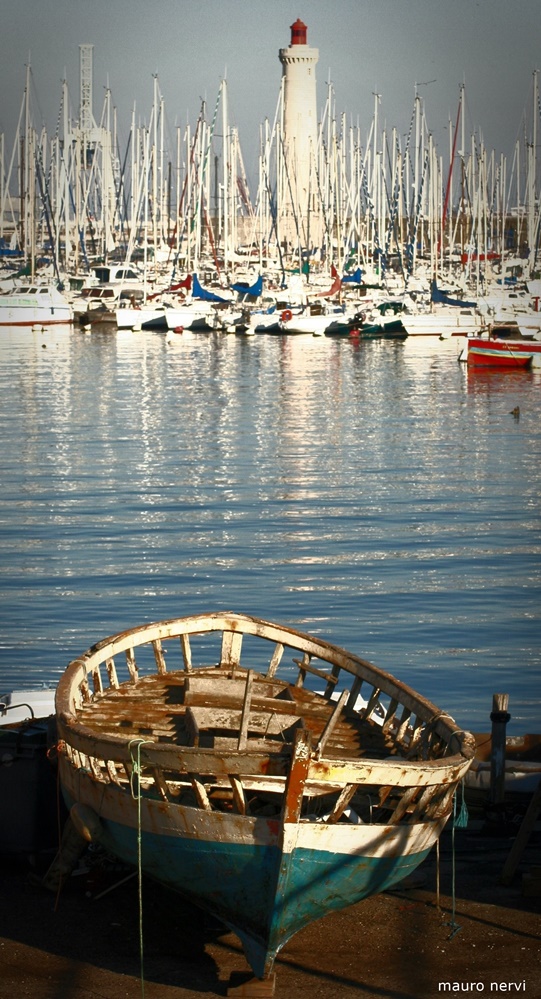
<point>348,814</point>
<point>351,814</point>
<point>86,822</point>
<point>286,316</point>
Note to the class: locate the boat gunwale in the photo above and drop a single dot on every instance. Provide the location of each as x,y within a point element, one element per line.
<point>399,770</point>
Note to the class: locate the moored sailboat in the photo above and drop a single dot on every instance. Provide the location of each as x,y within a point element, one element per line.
<point>35,305</point>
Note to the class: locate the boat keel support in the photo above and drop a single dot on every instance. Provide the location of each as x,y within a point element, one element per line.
<point>72,847</point>
<point>254,988</point>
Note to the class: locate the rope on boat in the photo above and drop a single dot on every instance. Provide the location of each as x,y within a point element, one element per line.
<point>135,788</point>
<point>460,821</point>
<point>438,874</point>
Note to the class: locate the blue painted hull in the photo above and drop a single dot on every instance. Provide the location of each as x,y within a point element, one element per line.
<point>262,887</point>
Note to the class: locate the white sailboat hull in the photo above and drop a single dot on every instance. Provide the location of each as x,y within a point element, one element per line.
<point>455,322</point>
<point>40,306</point>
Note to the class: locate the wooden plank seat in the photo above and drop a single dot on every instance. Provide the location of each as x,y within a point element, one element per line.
<point>210,706</point>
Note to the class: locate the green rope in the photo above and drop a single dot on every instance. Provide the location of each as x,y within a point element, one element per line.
<point>135,788</point>
<point>460,821</point>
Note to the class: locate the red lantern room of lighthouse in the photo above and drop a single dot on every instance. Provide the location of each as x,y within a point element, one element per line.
<point>298,33</point>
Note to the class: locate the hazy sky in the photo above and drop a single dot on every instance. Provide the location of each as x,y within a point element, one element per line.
<point>365,46</point>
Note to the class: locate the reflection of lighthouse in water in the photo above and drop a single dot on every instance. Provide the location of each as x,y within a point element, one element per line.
<point>300,127</point>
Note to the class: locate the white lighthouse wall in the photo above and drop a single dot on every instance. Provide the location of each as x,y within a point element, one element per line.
<point>300,116</point>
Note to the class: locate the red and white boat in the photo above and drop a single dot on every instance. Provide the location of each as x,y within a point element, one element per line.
<point>500,350</point>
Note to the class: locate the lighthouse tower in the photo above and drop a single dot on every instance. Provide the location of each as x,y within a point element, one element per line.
<point>300,117</point>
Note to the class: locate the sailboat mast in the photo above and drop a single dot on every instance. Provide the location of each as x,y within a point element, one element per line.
<point>225,177</point>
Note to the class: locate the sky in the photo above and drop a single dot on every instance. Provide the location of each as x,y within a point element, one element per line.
<point>394,48</point>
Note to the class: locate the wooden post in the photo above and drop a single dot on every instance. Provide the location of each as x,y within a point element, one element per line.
<point>499,717</point>
<point>522,837</point>
<point>296,778</point>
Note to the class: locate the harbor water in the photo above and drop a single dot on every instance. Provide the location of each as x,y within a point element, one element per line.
<point>378,494</point>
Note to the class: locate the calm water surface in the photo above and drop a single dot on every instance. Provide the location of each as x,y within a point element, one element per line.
<point>377,494</point>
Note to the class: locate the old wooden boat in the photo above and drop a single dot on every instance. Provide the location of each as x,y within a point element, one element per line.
<point>259,798</point>
<point>521,767</point>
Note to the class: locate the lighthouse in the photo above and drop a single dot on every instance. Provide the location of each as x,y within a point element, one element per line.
<point>300,121</point>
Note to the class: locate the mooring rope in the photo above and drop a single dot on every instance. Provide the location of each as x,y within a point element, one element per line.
<point>135,788</point>
<point>438,874</point>
<point>460,821</point>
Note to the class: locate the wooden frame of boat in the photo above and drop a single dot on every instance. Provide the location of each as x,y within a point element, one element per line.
<point>257,797</point>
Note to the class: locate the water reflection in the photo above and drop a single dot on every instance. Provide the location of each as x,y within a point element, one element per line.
<point>373,492</point>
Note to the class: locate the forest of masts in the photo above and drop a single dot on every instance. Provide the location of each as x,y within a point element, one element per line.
<point>383,201</point>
